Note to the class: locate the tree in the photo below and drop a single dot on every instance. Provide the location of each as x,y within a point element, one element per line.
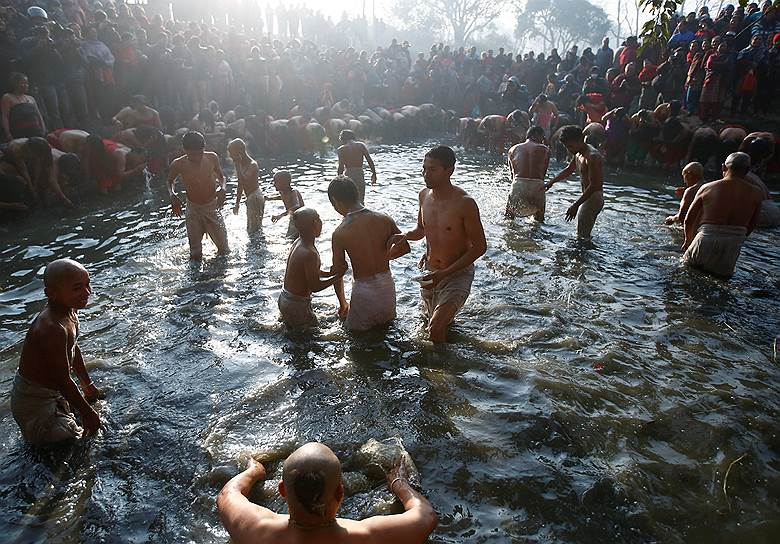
<point>459,20</point>
<point>563,23</point>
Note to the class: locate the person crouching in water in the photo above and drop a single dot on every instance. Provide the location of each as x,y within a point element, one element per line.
<point>43,388</point>
<point>303,275</point>
<point>528,164</point>
<point>313,488</point>
<point>246,171</point>
<point>364,236</point>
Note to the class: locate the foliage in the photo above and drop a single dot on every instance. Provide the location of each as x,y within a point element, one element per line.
<point>563,23</point>
<point>456,20</point>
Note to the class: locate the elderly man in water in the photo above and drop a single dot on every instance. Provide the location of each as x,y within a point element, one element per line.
<point>364,236</point>
<point>693,176</point>
<point>313,489</point>
<point>448,219</point>
<point>528,164</point>
<point>43,390</point>
<point>351,154</point>
<point>303,275</point>
<point>721,216</point>
<point>590,164</point>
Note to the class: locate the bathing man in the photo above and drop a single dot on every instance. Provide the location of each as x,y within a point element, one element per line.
<point>43,390</point>
<point>303,275</point>
<point>291,198</point>
<point>313,489</point>
<point>448,218</point>
<point>205,183</point>
<point>246,171</point>
<point>588,160</point>
<point>528,163</point>
<point>364,236</point>
<point>721,216</point>
<point>351,153</point>
<point>693,176</point>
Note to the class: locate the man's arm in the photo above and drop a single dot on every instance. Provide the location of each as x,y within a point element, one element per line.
<point>692,219</point>
<point>312,270</point>
<point>121,168</point>
<point>55,187</point>
<point>243,519</point>
<point>91,392</point>
<point>370,162</point>
<point>475,239</point>
<point>5,110</point>
<point>173,173</point>
<point>563,174</point>
<point>341,167</point>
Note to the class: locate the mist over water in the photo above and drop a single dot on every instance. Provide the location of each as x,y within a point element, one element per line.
<point>590,392</point>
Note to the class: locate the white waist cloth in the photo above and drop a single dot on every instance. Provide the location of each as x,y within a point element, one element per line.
<point>296,310</point>
<point>255,206</point>
<point>43,414</point>
<point>372,302</point>
<point>527,196</point>
<point>356,174</point>
<point>769,215</point>
<point>716,248</point>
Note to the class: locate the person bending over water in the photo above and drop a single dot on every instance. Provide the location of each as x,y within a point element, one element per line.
<point>303,275</point>
<point>205,184</point>
<point>528,163</point>
<point>313,490</point>
<point>721,216</point>
<point>589,162</point>
<point>43,388</point>
<point>351,154</point>
<point>364,235</point>
<point>448,218</point>
<point>290,197</point>
<point>693,176</point>
<point>246,171</point>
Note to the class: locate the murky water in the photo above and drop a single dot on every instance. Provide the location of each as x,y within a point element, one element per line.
<point>589,393</point>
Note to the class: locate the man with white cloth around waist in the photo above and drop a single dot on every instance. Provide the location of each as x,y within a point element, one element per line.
<point>721,216</point>
<point>351,154</point>
<point>364,235</point>
<point>528,163</point>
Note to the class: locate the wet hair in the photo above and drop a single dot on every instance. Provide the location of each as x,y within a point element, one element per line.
<point>193,140</point>
<point>343,189</point>
<point>535,132</point>
<point>15,79</point>
<point>309,490</point>
<point>445,155</point>
<point>99,156</point>
<point>69,165</point>
<point>346,136</point>
<point>570,133</point>
<point>738,163</point>
<point>758,149</point>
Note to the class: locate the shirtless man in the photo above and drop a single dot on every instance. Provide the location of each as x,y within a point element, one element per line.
<point>303,275</point>
<point>290,197</point>
<point>693,176</point>
<point>528,163</point>
<point>246,171</point>
<point>137,114</point>
<point>205,183</point>
<point>544,114</point>
<point>351,154</point>
<point>30,160</point>
<point>448,218</point>
<point>589,162</point>
<point>721,216</point>
<point>43,390</point>
<point>313,489</point>
<point>364,236</point>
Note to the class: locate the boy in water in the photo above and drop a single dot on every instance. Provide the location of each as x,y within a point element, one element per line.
<point>303,275</point>
<point>43,390</point>
<point>246,171</point>
<point>291,198</point>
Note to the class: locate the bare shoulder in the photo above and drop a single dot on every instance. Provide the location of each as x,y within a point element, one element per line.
<point>46,327</point>
<point>423,194</point>
<point>212,156</point>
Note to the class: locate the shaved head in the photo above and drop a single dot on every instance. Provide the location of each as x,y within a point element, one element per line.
<point>694,169</point>
<point>238,145</point>
<point>59,271</point>
<point>312,477</point>
<point>304,219</point>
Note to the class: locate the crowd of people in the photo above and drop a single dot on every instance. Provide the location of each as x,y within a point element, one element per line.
<point>103,93</point>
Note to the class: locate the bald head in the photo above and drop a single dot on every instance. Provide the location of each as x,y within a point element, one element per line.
<point>693,173</point>
<point>306,220</point>
<point>312,478</point>
<point>60,271</point>
<point>738,163</point>
<point>238,145</point>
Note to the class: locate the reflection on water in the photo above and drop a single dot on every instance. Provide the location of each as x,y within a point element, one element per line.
<point>591,392</point>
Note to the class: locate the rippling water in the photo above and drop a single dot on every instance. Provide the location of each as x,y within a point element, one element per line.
<point>590,392</point>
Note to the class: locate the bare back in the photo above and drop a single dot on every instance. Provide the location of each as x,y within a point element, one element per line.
<point>732,202</point>
<point>295,281</point>
<point>351,154</point>
<point>529,160</point>
<point>72,141</point>
<point>200,179</point>
<point>48,335</point>
<point>364,236</point>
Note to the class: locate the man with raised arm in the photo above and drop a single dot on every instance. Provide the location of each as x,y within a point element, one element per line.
<point>364,235</point>
<point>312,487</point>
<point>722,215</point>
<point>448,219</point>
<point>589,162</point>
<point>205,184</point>
<point>351,154</point>
<point>528,163</point>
